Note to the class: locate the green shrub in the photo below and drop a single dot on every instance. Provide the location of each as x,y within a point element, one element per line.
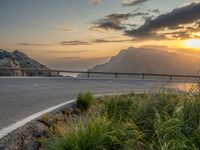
<point>85,100</point>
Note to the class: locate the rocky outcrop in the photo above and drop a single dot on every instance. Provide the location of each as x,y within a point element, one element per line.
<point>17,59</point>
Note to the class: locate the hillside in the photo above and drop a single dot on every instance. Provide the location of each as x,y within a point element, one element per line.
<point>17,59</point>
<point>143,60</point>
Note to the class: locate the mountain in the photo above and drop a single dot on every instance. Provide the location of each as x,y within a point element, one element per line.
<point>17,59</point>
<point>143,60</point>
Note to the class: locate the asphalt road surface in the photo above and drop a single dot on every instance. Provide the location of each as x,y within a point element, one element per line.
<point>22,97</point>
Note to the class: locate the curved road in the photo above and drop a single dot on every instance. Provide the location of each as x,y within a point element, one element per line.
<point>22,97</point>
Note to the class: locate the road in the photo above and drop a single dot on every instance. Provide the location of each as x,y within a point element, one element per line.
<point>22,97</point>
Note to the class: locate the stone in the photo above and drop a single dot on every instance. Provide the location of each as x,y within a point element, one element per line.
<point>17,59</point>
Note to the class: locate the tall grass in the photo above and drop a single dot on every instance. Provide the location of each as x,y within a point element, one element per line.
<point>118,108</point>
<point>138,122</point>
<point>98,134</point>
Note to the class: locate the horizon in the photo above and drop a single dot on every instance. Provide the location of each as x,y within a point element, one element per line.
<point>83,33</point>
<point>99,74</point>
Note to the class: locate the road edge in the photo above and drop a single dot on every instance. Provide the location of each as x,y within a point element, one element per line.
<point>10,128</point>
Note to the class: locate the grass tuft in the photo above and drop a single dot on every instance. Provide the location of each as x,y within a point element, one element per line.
<point>85,100</point>
<point>98,134</point>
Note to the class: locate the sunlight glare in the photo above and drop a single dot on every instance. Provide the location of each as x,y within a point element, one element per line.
<point>193,43</point>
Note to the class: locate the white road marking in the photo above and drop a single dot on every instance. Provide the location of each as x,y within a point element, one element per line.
<point>7,130</point>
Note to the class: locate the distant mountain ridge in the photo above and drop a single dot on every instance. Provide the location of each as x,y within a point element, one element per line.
<point>17,59</point>
<point>143,60</point>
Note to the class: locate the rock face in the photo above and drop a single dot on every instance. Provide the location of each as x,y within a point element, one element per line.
<point>17,59</point>
<point>141,60</point>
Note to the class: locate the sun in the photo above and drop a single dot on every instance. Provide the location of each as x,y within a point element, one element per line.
<point>193,43</point>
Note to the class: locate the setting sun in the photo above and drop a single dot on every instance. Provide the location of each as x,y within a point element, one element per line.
<point>193,43</point>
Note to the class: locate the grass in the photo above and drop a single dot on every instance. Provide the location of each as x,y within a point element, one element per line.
<point>85,100</point>
<point>100,133</point>
<point>118,108</point>
<point>158,121</point>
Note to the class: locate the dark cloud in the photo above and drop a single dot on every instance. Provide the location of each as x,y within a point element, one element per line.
<point>95,41</point>
<point>176,18</point>
<point>71,43</point>
<point>181,35</point>
<point>154,10</point>
<point>133,3</point>
<point>109,41</point>
<point>115,21</point>
<point>33,44</point>
<point>139,14</point>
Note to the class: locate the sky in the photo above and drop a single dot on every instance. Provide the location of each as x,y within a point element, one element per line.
<point>78,34</point>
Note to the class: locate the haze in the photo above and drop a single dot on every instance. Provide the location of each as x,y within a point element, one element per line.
<point>78,34</point>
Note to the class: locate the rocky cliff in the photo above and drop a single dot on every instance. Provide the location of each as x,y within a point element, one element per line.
<point>17,59</point>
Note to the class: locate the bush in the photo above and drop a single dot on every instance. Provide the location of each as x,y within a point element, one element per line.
<point>85,101</point>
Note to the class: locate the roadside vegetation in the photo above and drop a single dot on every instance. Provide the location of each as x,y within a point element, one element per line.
<point>85,101</point>
<point>156,121</point>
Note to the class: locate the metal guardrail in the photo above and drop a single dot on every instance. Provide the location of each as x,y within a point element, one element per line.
<point>116,74</point>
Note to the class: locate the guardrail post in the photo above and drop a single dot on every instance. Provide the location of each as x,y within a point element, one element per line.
<point>27,71</point>
<point>171,77</point>
<point>142,76</point>
<point>116,75</point>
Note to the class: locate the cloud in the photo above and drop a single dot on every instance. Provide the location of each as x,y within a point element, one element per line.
<point>178,18</point>
<point>71,43</point>
<point>154,10</point>
<point>115,21</point>
<point>33,44</point>
<point>132,3</point>
<point>69,51</point>
<point>94,2</point>
<point>110,41</point>
<point>67,28</point>
<point>94,41</point>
